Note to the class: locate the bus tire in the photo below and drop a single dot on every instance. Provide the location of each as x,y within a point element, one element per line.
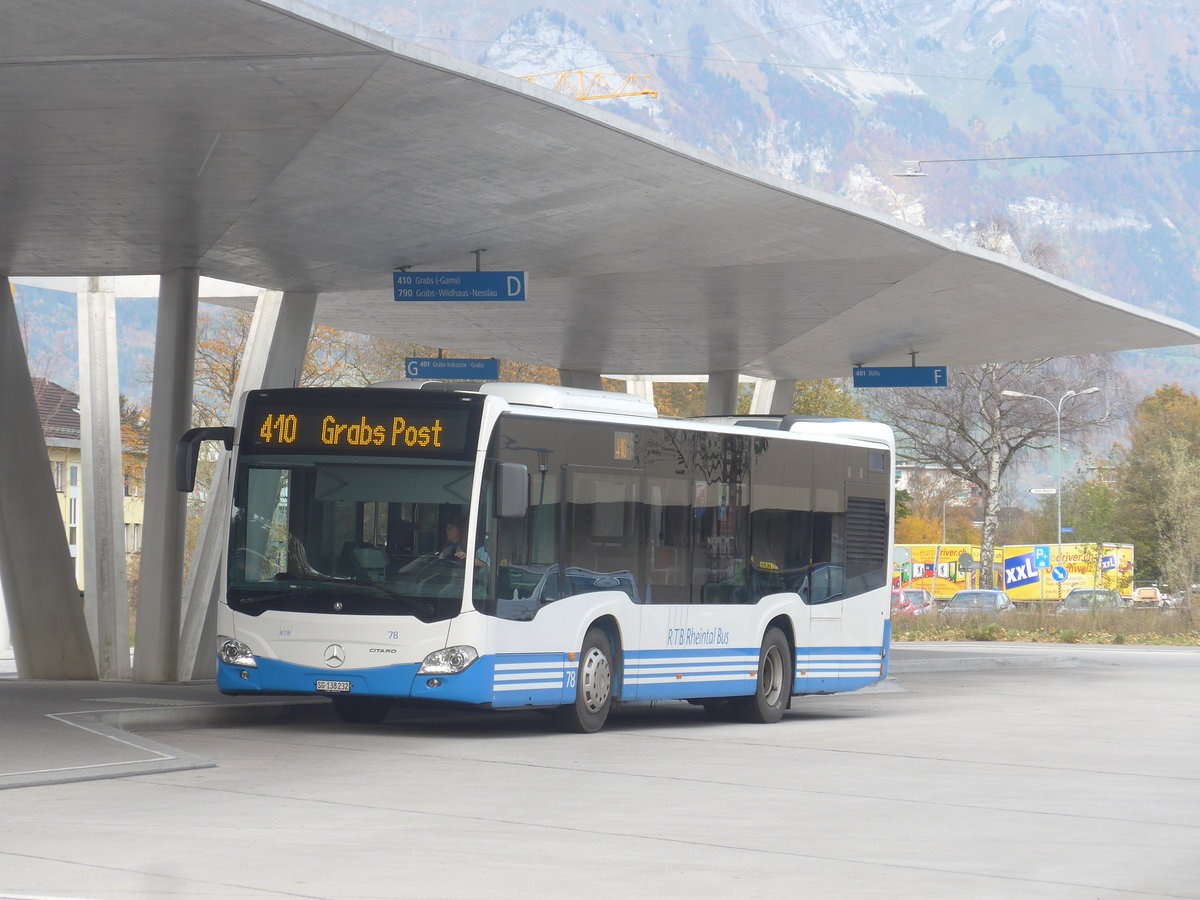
<point>361,710</point>
<point>773,686</point>
<point>593,686</point>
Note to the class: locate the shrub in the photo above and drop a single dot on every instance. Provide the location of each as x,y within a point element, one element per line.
<point>1035,622</point>
<point>989,632</point>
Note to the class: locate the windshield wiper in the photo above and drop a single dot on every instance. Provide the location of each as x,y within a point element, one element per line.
<point>417,605</point>
<point>346,587</point>
<point>255,597</point>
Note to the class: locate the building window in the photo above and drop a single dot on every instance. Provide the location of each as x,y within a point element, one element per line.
<point>135,477</point>
<point>72,519</point>
<point>133,537</point>
<point>74,475</point>
<point>57,467</point>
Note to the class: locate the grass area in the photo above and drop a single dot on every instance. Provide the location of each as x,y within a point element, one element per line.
<point>1041,624</point>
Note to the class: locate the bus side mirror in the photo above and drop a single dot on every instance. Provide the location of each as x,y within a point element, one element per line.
<point>512,490</point>
<point>187,452</point>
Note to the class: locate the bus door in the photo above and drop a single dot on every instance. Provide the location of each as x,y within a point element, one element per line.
<point>826,587</point>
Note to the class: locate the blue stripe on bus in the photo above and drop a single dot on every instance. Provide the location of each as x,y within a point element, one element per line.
<point>682,674</point>
<point>547,679</point>
<point>531,679</point>
<point>821,670</point>
<point>508,680</point>
<point>832,685</point>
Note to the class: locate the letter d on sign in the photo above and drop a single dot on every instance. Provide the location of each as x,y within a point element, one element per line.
<point>514,286</point>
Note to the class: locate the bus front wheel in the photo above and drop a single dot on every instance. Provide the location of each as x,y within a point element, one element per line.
<point>774,683</point>
<point>593,686</point>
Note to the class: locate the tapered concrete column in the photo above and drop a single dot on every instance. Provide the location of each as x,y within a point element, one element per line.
<point>722,394</point>
<point>640,386</point>
<point>105,590</point>
<point>45,613</point>
<point>576,379</point>
<point>772,398</point>
<point>783,398</point>
<point>5,637</point>
<point>274,357</point>
<point>159,610</point>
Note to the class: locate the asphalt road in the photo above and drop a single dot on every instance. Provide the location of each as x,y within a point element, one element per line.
<point>975,771</point>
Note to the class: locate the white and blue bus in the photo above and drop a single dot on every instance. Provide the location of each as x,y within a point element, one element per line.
<point>531,546</point>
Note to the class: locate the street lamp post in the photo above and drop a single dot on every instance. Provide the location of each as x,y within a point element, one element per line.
<point>1058,468</point>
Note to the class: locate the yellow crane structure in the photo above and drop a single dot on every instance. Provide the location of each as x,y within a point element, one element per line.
<point>595,85</point>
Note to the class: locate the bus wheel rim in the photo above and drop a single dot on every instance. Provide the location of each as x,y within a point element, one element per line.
<point>595,680</point>
<point>772,676</point>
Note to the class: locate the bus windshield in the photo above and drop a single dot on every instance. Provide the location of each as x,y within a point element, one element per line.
<point>351,536</point>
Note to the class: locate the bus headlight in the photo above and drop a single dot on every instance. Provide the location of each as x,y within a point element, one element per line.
<point>449,661</point>
<point>235,653</point>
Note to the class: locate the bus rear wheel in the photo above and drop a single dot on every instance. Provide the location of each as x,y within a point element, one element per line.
<point>774,685</point>
<point>361,710</point>
<point>593,687</point>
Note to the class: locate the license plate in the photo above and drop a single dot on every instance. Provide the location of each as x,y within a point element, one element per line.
<point>334,687</point>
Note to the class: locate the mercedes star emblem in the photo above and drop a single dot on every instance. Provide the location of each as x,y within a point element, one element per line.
<point>334,655</point>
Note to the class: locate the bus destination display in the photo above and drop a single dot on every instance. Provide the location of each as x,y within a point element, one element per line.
<point>422,430</point>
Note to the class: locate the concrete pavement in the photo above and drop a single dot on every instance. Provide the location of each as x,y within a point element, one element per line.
<point>975,771</point>
<point>61,731</point>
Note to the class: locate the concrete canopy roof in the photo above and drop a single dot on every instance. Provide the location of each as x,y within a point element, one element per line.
<point>276,145</point>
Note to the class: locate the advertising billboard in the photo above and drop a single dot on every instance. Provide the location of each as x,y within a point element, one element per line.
<point>1024,570</point>
<point>935,568</point>
<point>1086,565</point>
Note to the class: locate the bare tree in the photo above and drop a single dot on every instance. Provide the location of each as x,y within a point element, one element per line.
<point>975,432</point>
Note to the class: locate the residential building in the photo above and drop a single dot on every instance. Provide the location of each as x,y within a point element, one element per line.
<point>58,409</point>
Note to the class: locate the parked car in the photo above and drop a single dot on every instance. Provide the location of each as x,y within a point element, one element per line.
<point>1084,599</point>
<point>912,602</point>
<point>1170,602</point>
<point>1147,596</point>
<point>980,601</point>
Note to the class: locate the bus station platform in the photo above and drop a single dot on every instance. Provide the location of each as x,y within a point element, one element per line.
<point>55,732</point>
<point>63,731</point>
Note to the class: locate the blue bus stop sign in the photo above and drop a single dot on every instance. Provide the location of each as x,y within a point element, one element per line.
<point>452,369</point>
<point>899,376</point>
<point>458,286</point>
<point>1059,573</point>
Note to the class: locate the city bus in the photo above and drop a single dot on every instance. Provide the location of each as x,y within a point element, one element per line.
<point>513,546</point>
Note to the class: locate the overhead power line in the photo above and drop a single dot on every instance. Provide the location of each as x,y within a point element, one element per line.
<point>913,167</point>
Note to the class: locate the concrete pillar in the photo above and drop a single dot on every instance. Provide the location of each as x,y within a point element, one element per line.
<point>105,589</point>
<point>772,398</point>
<point>274,357</point>
<point>45,613</point>
<point>576,379</point>
<point>159,609</point>
<point>783,398</point>
<point>640,386</point>
<point>722,394</point>
<point>5,638</point>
